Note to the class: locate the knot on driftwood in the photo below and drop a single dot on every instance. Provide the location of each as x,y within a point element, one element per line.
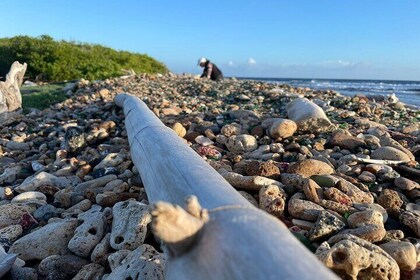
<point>178,228</point>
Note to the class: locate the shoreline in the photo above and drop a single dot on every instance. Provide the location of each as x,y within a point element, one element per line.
<point>352,87</point>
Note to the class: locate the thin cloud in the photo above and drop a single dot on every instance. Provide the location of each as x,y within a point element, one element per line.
<point>230,63</point>
<point>338,63</point>
<point>251,61</point>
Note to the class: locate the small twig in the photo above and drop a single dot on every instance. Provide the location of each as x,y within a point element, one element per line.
<point>381,161</point>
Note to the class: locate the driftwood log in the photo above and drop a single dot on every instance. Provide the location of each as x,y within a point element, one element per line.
<point>10,97</point>
<point>226,239</point>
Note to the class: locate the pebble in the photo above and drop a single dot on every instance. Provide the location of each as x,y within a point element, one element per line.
<point>33,246</point>
<point>404,253</point>
<point>310,167</point>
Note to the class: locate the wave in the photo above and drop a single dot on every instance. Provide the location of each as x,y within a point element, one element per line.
<point>407,91</point>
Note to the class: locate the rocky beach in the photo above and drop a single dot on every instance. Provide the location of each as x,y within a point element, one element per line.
<point>341,172</point>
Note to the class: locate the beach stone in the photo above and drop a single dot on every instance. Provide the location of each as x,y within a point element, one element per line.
<point>88,235</point>
<point>293,180</point>
<point>102,250</point>
<point>367,224</point>
<point>27,221</point>
<point>267,169</point>
<point>250,183</point>
<point>232,129</point>
<point>34,246</point>
<point>240,144</point>
<point>34,182</point>
<point>389,142</point>
<point>353,192</point>
<point>243,97</point>
<point>389,153</point>
<point>74,139</point>
<point>372,141</point>
<point>346,141</point>
<point>110,160</point>
<point>115,259</point>
<point>302,225</point>
<point>67,197</point>
<point>95,183</point>
<point>335,206</point>
<point>406,184</point>
<point>391,201</point>
<point>272,200</point>
<point>367,177</point>
<point>109,199</point>
<point>10,234</point>
<point>78,208</point>
<point>26,273</point>
<point>179,129</point>
<point>325,181</point>
<point>378,130</point>
<point>202,140</point>
<point>313,191</point>
<point>378,168</point>
<point>365,217</point>
<point>10,175</point>
<point>371,233</point>
<point>393,234</point>
<point>246,118</point>
<point>30,196</point>
<point>414,207</point>
<point>129,225</point>
<point>249,197</point>
<point>304,209</point>
<point>404,253</point>
<point>115,184</point>
<point>279,128</point>
<point>336,195</point>
<point>46,212</point>
<point>412,220</point>
<point>351,257</point>
<point>18,146</point>
<point>92,271</point>
<point>308,116</point>
<point>190,136</point>
<point>257,131</point>
<point>325,226</point>
<point>10,214</point>
<point>372,206</point>
<point>263,152</point>
<point>142,263</point>
<point>173,111</point>
<point>61,267</point>
<point>310,167</point>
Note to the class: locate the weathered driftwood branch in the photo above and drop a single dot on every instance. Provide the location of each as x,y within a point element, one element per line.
<point>10,97</point>
<point>381,161</point>
<point>229,238</point>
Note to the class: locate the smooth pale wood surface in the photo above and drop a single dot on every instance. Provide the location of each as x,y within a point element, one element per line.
<point>239,241</point>
<point>170,170</point>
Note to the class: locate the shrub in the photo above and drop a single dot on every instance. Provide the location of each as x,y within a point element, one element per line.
<point>50,60</point>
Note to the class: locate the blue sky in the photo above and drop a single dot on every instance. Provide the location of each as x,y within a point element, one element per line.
<point>362,39</point>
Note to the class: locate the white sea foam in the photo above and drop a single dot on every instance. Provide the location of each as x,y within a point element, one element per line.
<point>407,91</point>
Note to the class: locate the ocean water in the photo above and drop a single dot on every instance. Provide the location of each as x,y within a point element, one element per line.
<point>407,91</point>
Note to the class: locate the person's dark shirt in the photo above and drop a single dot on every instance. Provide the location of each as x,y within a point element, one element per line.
<point>212,72</point>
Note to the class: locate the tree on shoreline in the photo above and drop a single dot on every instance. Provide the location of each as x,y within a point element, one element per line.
<point>50,60</point>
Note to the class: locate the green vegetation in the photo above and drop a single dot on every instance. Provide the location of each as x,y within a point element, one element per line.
<point>42,97</point>
<point>50,60</point>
